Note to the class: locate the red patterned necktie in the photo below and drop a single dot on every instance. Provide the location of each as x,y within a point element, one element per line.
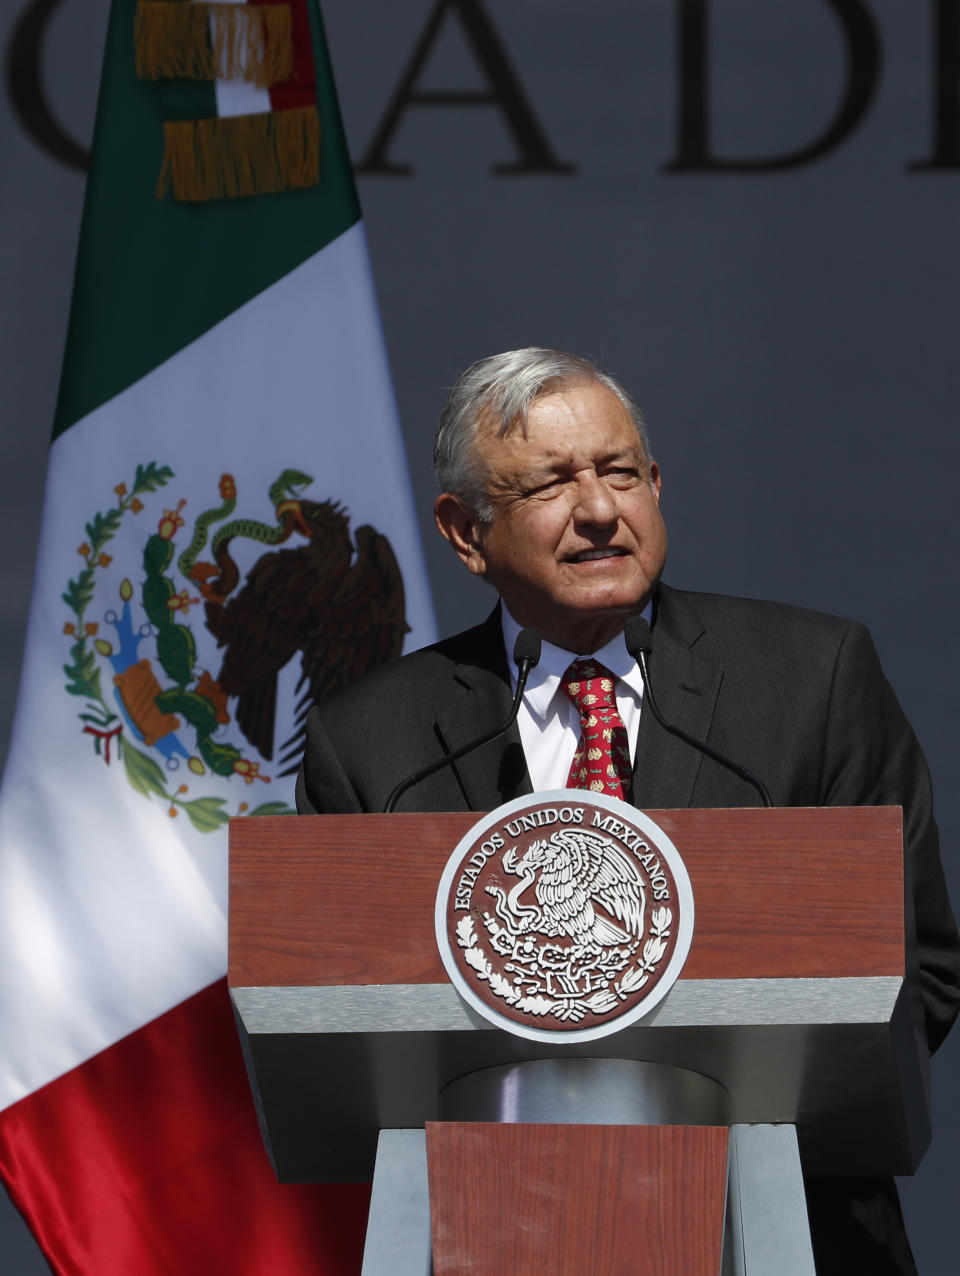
<point>602,760</point>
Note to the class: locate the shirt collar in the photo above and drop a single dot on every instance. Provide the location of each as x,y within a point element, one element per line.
<point>544,681</point>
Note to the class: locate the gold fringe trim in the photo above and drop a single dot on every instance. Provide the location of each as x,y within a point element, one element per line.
<point>223,158</point>
<point>178,40</point>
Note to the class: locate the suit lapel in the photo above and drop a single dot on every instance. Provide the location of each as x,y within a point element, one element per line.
<point>686,686</point>
<point>476,700</point>
<point>478,694</point>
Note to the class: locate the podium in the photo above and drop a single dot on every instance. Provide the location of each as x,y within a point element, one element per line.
<point>794,1032</point>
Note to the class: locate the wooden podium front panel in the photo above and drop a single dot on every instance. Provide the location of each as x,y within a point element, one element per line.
<point>563,1200</point>
<point>334,900</point>
<point>793,996</point>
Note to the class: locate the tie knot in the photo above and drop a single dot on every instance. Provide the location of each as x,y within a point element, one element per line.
<point>590,685</point>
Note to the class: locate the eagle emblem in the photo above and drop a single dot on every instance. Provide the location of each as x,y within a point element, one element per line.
<point>565,916</point>
<point>180,704</point>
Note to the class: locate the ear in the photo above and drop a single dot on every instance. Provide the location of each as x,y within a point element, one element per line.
<point>655,480</point>
<point>457,524</point>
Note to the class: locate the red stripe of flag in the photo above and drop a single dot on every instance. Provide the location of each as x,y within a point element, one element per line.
<point>148,1159</point>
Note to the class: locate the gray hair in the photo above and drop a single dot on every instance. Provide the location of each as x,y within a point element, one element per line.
<point>500,389</point>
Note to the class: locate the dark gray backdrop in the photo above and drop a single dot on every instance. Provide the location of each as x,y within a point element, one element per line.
<point>790,330</point>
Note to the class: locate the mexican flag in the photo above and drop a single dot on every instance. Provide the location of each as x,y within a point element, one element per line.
<point>228,533</point>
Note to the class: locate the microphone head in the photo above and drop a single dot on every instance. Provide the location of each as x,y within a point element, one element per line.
<point>526,650</point>
<point>637,636</point>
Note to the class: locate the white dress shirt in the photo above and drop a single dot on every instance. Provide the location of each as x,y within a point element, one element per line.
<point>548,719</point>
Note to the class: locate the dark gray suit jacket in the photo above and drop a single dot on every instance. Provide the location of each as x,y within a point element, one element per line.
<point>796,696</point>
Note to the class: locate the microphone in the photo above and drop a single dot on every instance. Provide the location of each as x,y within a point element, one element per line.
<point>526,656</point>
<point>639,641</point>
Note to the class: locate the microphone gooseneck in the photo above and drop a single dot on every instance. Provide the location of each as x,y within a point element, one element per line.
<point>526,656</point>
<point>639,643</point>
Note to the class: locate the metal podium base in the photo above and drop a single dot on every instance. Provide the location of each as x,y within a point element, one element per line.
<point>398,1229</point>
<point>767,1228</point>
<point>586,1092</point>
<point>766,1218</point>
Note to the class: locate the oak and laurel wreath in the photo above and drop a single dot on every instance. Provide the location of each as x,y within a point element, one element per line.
<point>600,1003</point>
<point>206,814</point>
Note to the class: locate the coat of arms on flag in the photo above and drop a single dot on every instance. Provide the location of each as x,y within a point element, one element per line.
<point>136,655</point>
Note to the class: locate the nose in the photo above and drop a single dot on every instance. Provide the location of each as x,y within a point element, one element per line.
<point>595,504</point>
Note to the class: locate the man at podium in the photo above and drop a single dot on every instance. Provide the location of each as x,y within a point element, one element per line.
<point>549,492</point>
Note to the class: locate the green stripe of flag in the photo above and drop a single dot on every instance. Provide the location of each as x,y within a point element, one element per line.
<point>153,275</point>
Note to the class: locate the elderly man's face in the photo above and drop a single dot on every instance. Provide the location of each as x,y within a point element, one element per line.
<point>577,542</point>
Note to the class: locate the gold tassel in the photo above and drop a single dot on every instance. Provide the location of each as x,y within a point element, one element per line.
<point>178,40</point>
<point>223,158</point>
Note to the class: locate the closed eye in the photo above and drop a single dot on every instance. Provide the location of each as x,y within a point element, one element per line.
<point>548,488</point>
<point>622,475</point>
